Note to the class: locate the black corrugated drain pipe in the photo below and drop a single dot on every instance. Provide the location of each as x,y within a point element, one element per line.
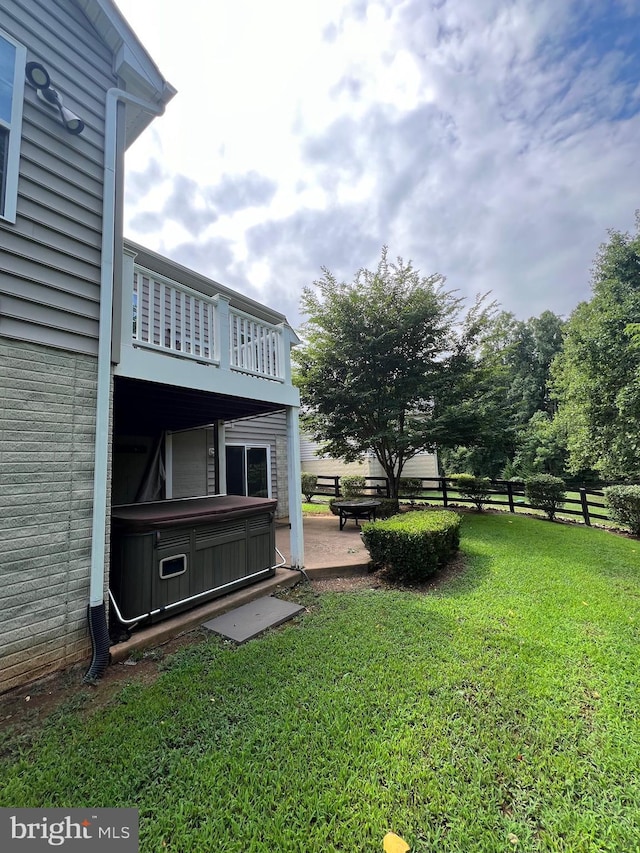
<point>97,616</point>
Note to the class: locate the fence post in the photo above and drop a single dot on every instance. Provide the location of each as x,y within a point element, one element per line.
<point>510,496</point>
<point>585,506</point>
<point>336,486</point>
<point>444,492</point>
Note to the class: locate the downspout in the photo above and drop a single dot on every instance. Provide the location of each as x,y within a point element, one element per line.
<point>96,609</point>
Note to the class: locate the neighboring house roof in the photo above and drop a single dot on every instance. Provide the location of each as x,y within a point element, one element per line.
<point>133,65</point>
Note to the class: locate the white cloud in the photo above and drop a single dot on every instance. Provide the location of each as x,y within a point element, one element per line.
<point>494,143</point>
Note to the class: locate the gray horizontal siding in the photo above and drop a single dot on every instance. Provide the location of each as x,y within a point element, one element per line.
<point>39,220</point>
<point>82,61</point>
<point>50,258</point>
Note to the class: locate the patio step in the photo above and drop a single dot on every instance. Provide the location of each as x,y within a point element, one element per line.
<point>159,633</point>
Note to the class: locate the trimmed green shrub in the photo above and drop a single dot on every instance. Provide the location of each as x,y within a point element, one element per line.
<point>352,486</point>
<point>309,483</point>
<point>624,503</point>
<point>476,489</point>
<point>413,545</point>
<point>387,508</point>
<point>546,492</point>
<point>410,487</point>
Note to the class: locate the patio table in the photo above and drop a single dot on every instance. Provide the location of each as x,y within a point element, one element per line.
<point>356,510</point>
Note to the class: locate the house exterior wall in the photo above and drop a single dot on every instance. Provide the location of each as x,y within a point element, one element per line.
<point>422,465</point>
<point>47,426</point>
<point>50,276</point>
<point>268,429</point>
<point>49,309</point>
<point>193,463</point>
<point>335,467</point>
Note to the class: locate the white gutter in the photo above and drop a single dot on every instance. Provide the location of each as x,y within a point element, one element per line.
<point>97,620</point>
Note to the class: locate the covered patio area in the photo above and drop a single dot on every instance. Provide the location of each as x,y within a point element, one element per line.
<point>329,552</point>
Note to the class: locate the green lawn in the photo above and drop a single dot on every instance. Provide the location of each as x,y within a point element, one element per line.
<point>500,713</point>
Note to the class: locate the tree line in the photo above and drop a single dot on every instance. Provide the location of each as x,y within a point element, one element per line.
<point>395,364</point>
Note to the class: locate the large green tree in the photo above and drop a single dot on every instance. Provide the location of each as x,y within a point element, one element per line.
<point>596,378</point>
<point>388,365</point>
<point>516,356</point>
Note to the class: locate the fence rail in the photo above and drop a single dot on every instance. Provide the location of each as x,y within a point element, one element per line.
<point>507,494</point>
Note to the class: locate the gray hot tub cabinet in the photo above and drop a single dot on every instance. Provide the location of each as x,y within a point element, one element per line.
<point>167,551</point>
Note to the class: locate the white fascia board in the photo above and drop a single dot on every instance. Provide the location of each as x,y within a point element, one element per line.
<point>132,64</point>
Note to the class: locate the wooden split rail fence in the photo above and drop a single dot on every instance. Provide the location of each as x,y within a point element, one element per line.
<point>508,494</point>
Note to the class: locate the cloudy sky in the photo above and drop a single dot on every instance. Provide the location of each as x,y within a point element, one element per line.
<point>492,141</point>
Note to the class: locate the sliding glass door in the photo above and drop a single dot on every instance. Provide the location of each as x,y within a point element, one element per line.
<point>248,471</point>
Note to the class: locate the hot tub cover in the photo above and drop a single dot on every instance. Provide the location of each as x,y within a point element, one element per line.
<point>185,511</point>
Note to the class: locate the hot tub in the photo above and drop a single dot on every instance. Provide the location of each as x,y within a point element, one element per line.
<point>168,556</point>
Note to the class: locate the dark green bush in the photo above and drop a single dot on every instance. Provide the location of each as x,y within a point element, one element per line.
<point>352,486</point>
<point>546,492</point>
<point>410,487</point>
<point>413,545</point>
<point>387,508</point>
<point>309,483</point>
<point>624,503</point>
<point>476,489</point>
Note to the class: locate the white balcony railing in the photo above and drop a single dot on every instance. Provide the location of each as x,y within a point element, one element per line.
<point>255,346</point>
<point>174,319</point>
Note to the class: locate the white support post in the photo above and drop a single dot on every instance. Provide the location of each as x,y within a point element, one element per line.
<point>221,332</point>
<point>284,353</point>
<point>125,330</point>
<point>221,461</point>
<point>295,495</point>
<point>168,465</point>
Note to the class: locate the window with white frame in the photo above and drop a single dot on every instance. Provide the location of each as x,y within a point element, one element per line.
<point>12,62</point>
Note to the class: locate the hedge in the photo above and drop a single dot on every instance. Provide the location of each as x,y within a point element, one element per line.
<point>476,489</point>
<point>411,546</point>
<point>410,486</point>
<point>546,492</point>
<point>352,485</point>
<point>624,503</point>
<point>308,483</point>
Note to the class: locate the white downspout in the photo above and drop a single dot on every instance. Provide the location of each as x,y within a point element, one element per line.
<point>101,454</point>
<point>295,496</point>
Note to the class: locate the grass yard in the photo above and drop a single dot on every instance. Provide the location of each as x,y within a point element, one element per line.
<point>499,713</point>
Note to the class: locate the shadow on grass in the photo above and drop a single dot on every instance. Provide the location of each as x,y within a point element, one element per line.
<point>464,573</point>
<point>468,571</point>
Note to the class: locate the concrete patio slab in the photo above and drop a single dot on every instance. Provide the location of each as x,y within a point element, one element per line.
<point>328,551</point>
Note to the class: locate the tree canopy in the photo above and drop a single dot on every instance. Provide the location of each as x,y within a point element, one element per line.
<point>596,378</point>
<point>515,356</point>
<point>388,365</point>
